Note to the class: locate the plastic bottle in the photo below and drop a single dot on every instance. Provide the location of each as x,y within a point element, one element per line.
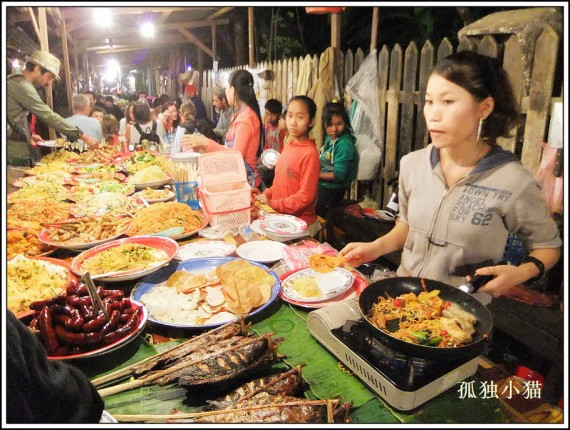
<point>246,233</point>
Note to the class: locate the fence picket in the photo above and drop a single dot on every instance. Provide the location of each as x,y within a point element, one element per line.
<point>279,83</point>
<point>512,63</point>
<point>358,59</point>
<point>274,84</point>
<point>289,92</point>
<point>445,49</point>
<point>541,83</point>
<point>383,66</point>
<point>489,46</point>
<point>467,44</point>
<point>391,149</point>
<point>294,77</point>
<point>426,64</point>
<point>407,98</point>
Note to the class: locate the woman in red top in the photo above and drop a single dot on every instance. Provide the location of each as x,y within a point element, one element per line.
<point>244,133</point>
<point>294,189</point>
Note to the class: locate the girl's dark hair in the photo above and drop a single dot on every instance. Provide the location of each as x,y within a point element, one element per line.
<point>242,81</point>
<point>311,106</point>
<point>109,126</point>
<point>283,114</point>
<point>335,108</point>
<point>483,77</point>
<point>141,112</point>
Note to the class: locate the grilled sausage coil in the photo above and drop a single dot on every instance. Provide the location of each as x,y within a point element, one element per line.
<point>70,324</point>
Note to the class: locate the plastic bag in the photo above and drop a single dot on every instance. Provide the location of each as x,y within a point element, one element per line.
<point>364,117</point>
<point>552,186</point>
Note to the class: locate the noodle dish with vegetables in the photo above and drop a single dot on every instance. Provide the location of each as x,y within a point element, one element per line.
<point>424,319</point>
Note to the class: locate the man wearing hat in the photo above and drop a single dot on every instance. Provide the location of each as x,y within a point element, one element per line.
<point>22,97</point>
<point>190,93</point>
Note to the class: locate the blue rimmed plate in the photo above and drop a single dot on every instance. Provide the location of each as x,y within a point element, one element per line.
<point>197,266</point>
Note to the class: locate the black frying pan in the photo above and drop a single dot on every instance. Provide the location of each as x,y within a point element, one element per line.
<point>394,287</point>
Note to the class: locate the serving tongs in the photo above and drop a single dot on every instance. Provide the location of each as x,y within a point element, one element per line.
<point>96,300</point>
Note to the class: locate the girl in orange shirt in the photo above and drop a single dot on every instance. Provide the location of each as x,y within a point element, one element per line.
<point>294,189</point>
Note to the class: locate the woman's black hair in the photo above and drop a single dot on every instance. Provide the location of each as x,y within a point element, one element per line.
<point>242,81</point>
<point>311,106</point>
<point>335,108</point>
<point>483,77</point>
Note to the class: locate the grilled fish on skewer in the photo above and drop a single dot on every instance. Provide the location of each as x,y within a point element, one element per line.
<point>284,384</point>
<point>231,364</point>
<point>226,332</point>
<point>299,411</point>
<point>204,352</point>
<point>210,337</point>
<point>245,362</point>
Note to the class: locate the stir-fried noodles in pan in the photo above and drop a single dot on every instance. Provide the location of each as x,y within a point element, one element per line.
<point>424,319</point>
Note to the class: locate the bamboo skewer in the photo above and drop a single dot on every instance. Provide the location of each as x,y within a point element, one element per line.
<point>131,370</point>
<point>147,379</point>
<point>330,403</point>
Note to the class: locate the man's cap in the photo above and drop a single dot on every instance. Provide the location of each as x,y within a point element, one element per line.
<point>46,61</point>
<point>190,89</point>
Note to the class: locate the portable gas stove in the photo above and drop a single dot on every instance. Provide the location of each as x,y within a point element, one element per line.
<point>404,382</point>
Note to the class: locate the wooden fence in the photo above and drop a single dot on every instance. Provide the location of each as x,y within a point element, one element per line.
<point>402,79</point>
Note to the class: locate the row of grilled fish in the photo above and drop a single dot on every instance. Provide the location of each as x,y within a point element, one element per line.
<point>226,356</point>
<point>271,400</point>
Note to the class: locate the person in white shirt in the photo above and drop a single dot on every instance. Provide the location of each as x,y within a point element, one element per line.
<point>81,111</point>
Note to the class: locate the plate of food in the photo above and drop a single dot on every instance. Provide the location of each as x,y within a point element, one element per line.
<point>25,241</point>
<point>152,195</point>
<point>31,279</point>
<point>91,178</point>
<point>206,292</point>
<point>111,186</point>
<point>95,168</point>
<point>262,251</point>
<point>57,143</point>
<point>159,217</point>
<point>205,248</point>
<point>84,233</point>
<point>107,202</point>
<point>307,286</point>
<point>27,181</point>
<point>282,224</point>
<point>360,283</point>
<point>126,259</point>
<point>89,333</point>
<point>149,177</point>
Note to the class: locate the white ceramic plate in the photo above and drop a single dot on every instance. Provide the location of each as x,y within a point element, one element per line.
<point>210,248</point>
<point>154,185</point>
<point>282,224</point>
<point>330,284</point>
<point>269,157</point>
<point>262,251</point>
<point>50,144</point>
